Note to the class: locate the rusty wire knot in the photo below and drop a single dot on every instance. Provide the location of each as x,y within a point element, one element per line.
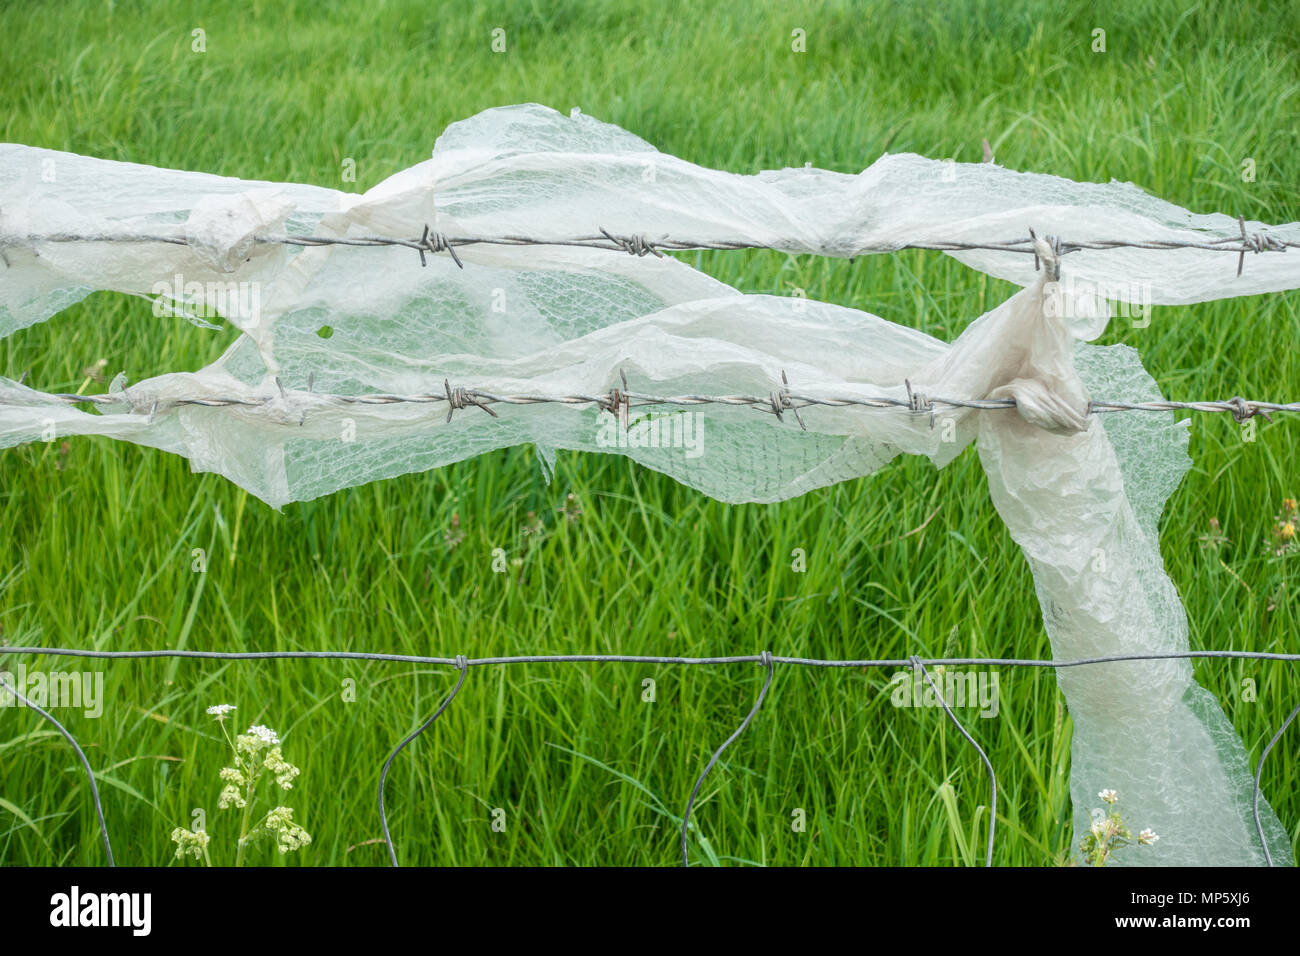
<point>638,245</point>
<point>435,242</point>
<point>782,401</point>
<point>461,397</point>
<point>1242,411</point>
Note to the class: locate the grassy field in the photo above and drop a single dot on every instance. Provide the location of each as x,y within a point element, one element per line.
<point>96,538</point>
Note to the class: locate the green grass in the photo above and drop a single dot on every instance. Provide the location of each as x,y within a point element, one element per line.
<point>96,538</point>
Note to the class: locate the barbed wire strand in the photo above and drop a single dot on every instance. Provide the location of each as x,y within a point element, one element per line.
<point>85,763</point>
<point>383,775</point>
<point>993,780</point>
<point>1259,770</point>
<point>766,660</point>
<point>463,663</point>
<point>641,244</point>
<point>782,400</point>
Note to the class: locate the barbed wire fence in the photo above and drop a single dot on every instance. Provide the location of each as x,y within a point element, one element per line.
<point>619,402</point>
<point>766,659</point>
<point>778,402</point>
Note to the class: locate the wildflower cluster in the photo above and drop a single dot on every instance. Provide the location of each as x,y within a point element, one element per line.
<point>288,835</point>
<point>257,753</point>
<point>1109,833</point>
<point>191,842</point>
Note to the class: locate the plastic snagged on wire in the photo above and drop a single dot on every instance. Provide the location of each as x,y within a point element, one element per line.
<point>330,320</point>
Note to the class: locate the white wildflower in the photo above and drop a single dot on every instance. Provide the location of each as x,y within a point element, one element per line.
<point>258,738</point>
<point>1110,796</point>
<point>231,797</point>
<point>193,842</point>
<point>283,770</point>
<point>279,817</point>
<point>1147,837</point>
<point>288,835</point>
<point>265,734</point>
<point>219,711</point>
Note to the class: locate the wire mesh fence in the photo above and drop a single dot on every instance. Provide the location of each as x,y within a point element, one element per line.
<point>786,399</point>
<point>766,659</point>
<point>619,401</point>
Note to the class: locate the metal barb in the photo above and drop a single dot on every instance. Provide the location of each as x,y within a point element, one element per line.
<point>461,397</point>
<point>917,402</point>
<point>619,401</point>
<point>1058,248</point>
<point>1054,271</point>
<point>782,401</point>
<point>1257,242</point>
<point>636,245</point>
<point>1242,410</point>
<point>1241,259</point>
<point>435,242</point>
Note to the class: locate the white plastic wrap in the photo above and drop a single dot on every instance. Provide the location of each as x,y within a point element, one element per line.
<point>552,321</point>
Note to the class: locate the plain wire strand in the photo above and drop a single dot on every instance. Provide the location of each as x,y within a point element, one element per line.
<point>1259,769</point>
<point>90,774</point>
<point>640,659</point>
<point>383,774</point>
<point>993,780</point>
<point>766,660</point>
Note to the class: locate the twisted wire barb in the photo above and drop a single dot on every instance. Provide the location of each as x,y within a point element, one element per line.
<point>767,659</point>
